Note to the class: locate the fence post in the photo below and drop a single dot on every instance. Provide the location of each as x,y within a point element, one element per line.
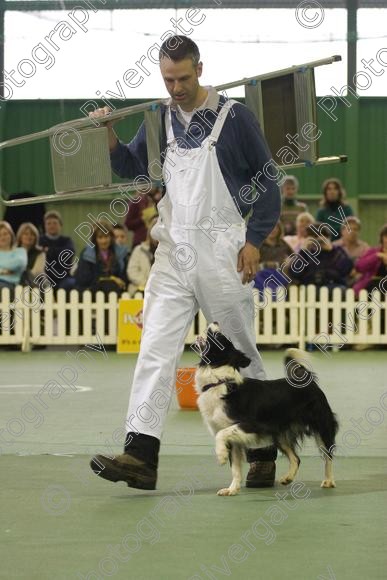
<point>302,316</point>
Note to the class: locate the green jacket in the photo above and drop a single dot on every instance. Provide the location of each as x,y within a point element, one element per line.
<point>324,213</point>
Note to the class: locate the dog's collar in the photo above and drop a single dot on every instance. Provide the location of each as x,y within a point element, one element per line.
<point>210,385</point>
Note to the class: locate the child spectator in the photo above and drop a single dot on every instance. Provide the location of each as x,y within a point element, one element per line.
<point>291,207</point>
<point>333,198</point>
<point>303,221</point>
<point>350,241</point>
<point>27,237</point>
<point>13,261</point>
<point>274,252</point>
<point>372,265</point>
<point>121,238</point>
<point>58,264</point>
<point>333,264</point>
<point>140,262</point>
<point>102,267</point>
<point>140,213</point>
<point>121,235</point>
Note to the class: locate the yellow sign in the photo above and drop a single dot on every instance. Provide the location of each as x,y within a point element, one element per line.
<point>129,325</point>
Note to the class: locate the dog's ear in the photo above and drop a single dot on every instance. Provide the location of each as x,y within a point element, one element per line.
<point>239,360</point>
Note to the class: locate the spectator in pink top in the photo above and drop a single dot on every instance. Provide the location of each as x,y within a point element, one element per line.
<point>372,265</point>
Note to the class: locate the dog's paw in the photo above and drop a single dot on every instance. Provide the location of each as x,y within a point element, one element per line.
<point>228,491</point>
<point>286,479</point>
<point>328,483</point>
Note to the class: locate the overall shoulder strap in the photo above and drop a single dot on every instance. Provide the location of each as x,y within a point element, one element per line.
<point>218,125</point>
<point>168,126</point>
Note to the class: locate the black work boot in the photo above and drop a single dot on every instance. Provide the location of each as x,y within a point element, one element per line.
<point>262,467</point>
<point>137,466</point>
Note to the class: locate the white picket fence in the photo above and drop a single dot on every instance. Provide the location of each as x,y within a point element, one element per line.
<point>77,319</point>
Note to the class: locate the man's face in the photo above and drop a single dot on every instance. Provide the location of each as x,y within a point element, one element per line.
<point>120,236</point>
<point>289,190</point>
<point>181,80</point>
<point>52,227</point>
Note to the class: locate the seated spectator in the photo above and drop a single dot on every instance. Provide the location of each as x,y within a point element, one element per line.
<point>352,245</point>
<point>102,267</point>
<point>333,198</point>
<point>140,262</point>
<point>140,213</point>
<point>121,238</point>
<point>27,237</point>
<point>274,252</point>
<point>13,261</point>
<point>303,221</point>
<point>60,252</point>
<point>333,264</point>
<point>291,207</point>
<point>350,241</point>
<point>121,235</point>
<point>372,265</point>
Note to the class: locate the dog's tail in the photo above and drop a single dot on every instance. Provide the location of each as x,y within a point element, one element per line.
<point>322,422</point>
<point>298,368</point>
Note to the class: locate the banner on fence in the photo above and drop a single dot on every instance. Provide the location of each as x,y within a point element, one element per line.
<point>129,326</point>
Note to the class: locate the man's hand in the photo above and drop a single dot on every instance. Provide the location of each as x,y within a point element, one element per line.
<point>101,114</point>
<point>248,262</point>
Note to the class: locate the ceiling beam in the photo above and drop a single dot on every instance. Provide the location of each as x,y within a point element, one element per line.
<point>37,5</point>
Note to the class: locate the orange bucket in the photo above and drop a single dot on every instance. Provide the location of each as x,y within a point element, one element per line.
<point>185,388</point>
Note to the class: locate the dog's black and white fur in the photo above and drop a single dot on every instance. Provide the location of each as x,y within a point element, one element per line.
<point>246,413</point>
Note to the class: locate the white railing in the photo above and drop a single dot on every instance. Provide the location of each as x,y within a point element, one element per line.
<point>27,319</point>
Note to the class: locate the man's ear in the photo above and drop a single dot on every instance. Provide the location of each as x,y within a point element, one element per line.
<point>199,69</point>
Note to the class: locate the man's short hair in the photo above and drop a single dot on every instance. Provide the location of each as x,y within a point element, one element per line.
<point>55,215</point>
<point>291,179</point>
<point>121,227</point>
<point>179,47</point>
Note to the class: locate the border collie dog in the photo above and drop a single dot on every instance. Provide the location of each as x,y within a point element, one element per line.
<point>246,413</point>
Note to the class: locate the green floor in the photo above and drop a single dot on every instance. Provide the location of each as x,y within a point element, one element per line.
<point>59,521</point>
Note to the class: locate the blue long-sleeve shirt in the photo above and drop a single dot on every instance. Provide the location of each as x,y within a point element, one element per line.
<point>242,153</point>
<point>15,261</point>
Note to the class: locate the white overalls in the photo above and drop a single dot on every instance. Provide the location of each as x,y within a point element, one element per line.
<point>193,269</point>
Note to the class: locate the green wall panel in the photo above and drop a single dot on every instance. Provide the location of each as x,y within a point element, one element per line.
<point>372,163</point>
<point>27,167</point>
